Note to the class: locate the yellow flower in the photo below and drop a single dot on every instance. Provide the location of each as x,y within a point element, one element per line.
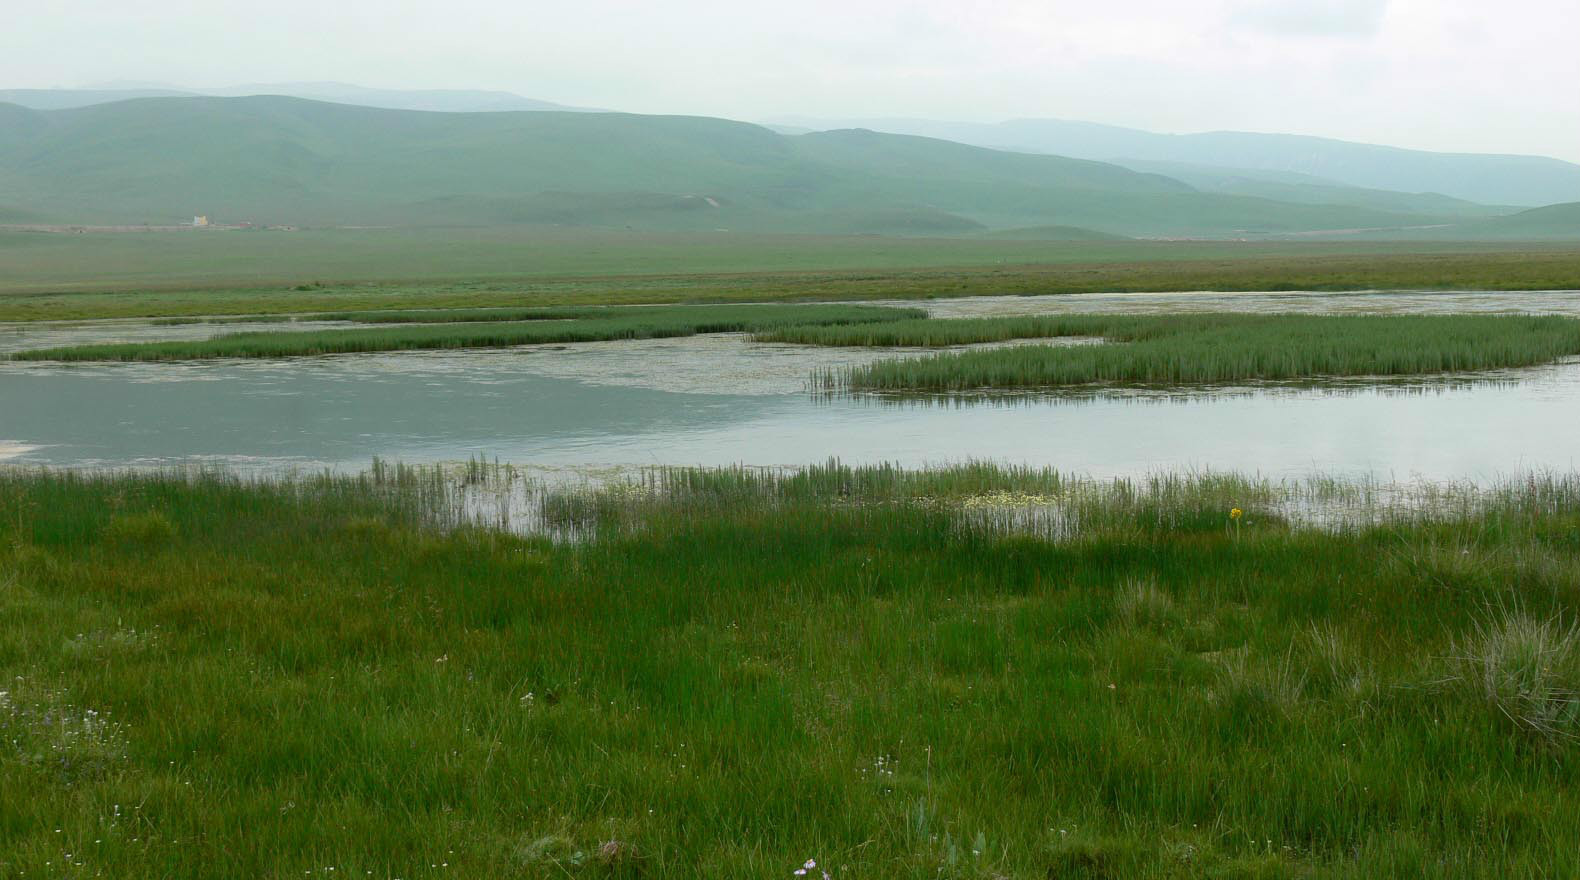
<point>1236,513</point>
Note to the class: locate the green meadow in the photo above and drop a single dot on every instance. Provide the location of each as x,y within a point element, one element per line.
<point>1190,349</point>
<point>64,276</point>
<point>731,672</point>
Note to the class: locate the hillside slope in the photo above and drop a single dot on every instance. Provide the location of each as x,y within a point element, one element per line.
<point>275,160</point>
<point>1313,190</point>
<point>1554,222</point>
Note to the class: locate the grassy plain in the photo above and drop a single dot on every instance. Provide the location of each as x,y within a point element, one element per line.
<point>202,676</point>
<point>105,275</point>
<point>1199,348</point>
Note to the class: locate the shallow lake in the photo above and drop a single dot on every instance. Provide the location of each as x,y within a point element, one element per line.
<point>724,400</point>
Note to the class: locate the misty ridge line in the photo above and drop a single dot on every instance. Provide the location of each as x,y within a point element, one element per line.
<point>337,159</point>
<point>496,101</point>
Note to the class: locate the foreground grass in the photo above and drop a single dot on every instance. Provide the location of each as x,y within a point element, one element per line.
<point>270,681</point>
<point>502,331</point>
<point>1197,348</point>
<point>50,277</point>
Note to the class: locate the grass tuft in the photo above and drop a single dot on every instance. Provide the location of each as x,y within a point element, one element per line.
<point>148,529</point>
<point>1528,670</point>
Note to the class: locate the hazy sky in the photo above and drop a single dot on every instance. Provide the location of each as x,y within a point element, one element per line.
<point>1436,74</point>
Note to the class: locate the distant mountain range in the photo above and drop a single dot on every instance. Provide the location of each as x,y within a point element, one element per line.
<point>436,100</point>
<point>1489,179</point>
<point>282,160</point>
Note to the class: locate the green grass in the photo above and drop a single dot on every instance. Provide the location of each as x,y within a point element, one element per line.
<point>627,323</point>
<point>207,676</point>
<point>1186,349</point>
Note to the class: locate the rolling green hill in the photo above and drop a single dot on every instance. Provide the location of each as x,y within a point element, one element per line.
<point>1551,222</point>
<point>272,160</point>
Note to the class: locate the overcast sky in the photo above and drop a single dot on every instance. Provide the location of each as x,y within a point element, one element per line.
<point>1465,75</point>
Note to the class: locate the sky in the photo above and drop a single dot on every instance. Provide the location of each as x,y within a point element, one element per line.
<point>1455,75</point>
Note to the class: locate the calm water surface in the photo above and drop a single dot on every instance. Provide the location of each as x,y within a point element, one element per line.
<point>724,400</point>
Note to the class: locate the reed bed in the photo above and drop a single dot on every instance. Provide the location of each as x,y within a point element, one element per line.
<point>225,319</point>
<point>939,332</point>
<point>1035,501</point>
<point>447,316</point>
<point>1191,349</point>
<point>427,316</point>
<point>287,677</point>
<point>626,323</point>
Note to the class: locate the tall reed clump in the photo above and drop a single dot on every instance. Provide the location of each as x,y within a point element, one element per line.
<point>630,322</point>
<point>1187,349</point>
